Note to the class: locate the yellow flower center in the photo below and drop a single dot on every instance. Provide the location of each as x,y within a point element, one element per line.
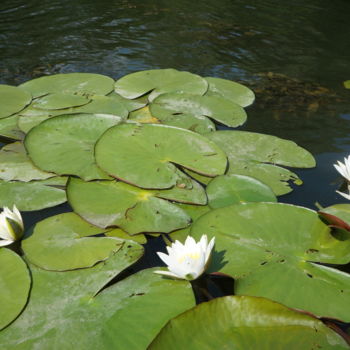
<point>193,256</point>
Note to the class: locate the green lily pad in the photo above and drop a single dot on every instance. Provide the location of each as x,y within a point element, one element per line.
<point>124,315</point>
<point>258,156</point>
<point>230,90</point>
<point>9,129</point>
<point>12,100</point>
<point>225,190</point>
<point>130,105</point>
<point>272,248</point>
<point>119,233</point>
<point>59,101</point>
<point>14,286</point>
<point>111,203</point>
<point>15,165</point>
<point>176,105</point>
<point>159,81</point>
<point>143,154</point>
<point>69,142</point>
<point>62,242</point>
<point>34,195</point>
<point>31,116</point>
<point>240,323</point>
<point>83,84</point>
<point>347,84</point>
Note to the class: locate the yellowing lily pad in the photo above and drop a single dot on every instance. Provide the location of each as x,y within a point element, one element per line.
<point>69,142</point>
<point>83,84</point>
<point>176,105</point>
<point>12,100</point>
<point>159,81</point>
<point>230,90</point>
<point>59,101</point>
<point>111,203</point>
<point>15,165</point>
<point>14,286</point>
<point>144,155</point>
<point>62,243</point>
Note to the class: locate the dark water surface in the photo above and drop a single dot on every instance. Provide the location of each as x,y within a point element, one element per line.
<point>294,54</point>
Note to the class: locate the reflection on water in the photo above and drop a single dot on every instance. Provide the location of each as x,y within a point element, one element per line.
<point>239,40</point>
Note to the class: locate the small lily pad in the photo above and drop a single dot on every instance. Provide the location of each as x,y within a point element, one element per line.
<point>14,286</point>
<point>111,203</point>
<point>83,84</point>
<point>159,81</point>
<point>12,100</point>
<point>143,115</point>
<point>130,105</point>
<point>59,101</point>
<point>225,190</point>
<point>176,105</point>
<point>230,90</point>
<point>69,144</point>
<point>62,242</point>
<point>33,195</point>
<point>143,154</point>
<point>15,165</point>
<point>347,84</point>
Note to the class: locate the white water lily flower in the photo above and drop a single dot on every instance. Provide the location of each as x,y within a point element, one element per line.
<point>344,168</point>
<point>347,196</point>
<point>187,261</point>
<point>11,226</point>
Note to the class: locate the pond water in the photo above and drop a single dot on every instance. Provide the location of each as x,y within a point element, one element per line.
<point>295,55</point>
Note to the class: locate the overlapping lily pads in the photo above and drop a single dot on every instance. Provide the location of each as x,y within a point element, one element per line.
<point>243,323</point>
<point>59,101</point>
<point>9,129</point>
<point>69,144</point>
<point>63,242</point>
<point>258,156</point>
<point>225,190</point>
<point>272,249</point>
<point>168,107</point>
<point>111,203</point>
<point>12,100</point>
<point>82,84</point>
<point>123,316</point>
<point>14,286</point>
<point>15,165</point>
<point>159,81</point>
<point>130,151</point>
<point>33,195</point>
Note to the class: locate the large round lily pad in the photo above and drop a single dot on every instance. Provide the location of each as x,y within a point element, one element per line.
<point>271,249</point>
<point>144,154</point>
<point>258,156</point>
<point>83,84</point>
<point>15,165</point>
<point>12,100</point>
<point>159,81</point>
<point>14,286</point>
<point>62,242</point>
<point>242,323</point>
<point>111,203</point>
<point>65,144</point>
<point>68,309</point>
<point>230,90</point>
<point>33,195</point>
<point>225,190</point>
<point>176,105</point>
